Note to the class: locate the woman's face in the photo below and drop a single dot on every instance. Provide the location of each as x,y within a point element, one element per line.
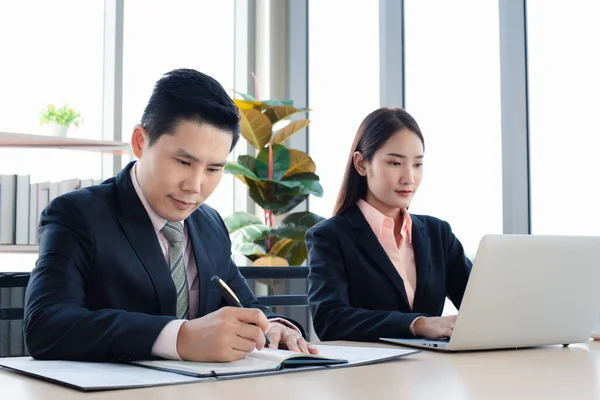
<point>395,172</point>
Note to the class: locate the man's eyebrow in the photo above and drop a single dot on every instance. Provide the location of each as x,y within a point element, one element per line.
<point>402,155</point>
<point>184,154</point>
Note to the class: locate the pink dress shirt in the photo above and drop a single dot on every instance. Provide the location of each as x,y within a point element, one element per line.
<point>165,345</point>
<point>399,250</point>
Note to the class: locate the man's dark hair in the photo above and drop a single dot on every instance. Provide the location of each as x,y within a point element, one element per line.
<point>189,95</point>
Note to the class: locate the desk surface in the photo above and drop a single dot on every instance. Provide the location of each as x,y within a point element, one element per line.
<point>541,373</point>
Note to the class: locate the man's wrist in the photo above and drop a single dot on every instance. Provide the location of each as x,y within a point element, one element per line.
<point>165,345</point>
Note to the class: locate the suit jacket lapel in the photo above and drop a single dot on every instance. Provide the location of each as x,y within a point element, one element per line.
<point>199,237</point>
<point>421,245</point>
<point>371,246</point>
<point>138,228</point>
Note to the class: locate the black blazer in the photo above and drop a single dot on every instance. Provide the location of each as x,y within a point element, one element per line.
<point>356,293</point>
<point>101,288</point>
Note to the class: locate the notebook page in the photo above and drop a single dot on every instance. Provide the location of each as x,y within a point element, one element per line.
<point>94,376</point>
<point>249,364</point>
<point>357,355</point>
<point>280,356</point>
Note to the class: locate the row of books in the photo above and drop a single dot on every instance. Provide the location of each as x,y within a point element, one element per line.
<point>22,202</point>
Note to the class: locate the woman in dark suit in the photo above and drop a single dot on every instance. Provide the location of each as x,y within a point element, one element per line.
<point>376,270</point>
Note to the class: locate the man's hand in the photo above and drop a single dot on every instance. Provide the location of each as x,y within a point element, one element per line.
<point>435,327</point>
<point>224,335</point>
<point>283,337</point>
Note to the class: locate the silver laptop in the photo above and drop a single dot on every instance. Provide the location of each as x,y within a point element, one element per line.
<point>526,291</point>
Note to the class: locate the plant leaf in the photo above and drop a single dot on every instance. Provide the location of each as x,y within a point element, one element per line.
<point>285,199</point>
<point>250,233</point>
<point>262,169</point>
<point>294,226</point>
<point>239,220</point>
<point>281,204</point>
<point>247,249</point>
<point>270,261</point>
<point>278,113</point>
<point>298,253</point>
<point>248,105</point>
<point>280,246</point>
<point>278,196</point>
<point>237,169</point>
<point>295,252</point>
<point>287,184</point>
<point>257,190</point>
<point>281,162</point>
<point>286,205</point>
<point>277,102</point>
<point>285,133</point>
<point>255,127</point>
<point>303,176</point>
<point>248,162</point>
<point>312,187</point>
<point>300,162</point>
<point>245,96</point>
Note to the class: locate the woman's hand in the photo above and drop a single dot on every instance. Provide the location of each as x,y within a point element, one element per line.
<point>435,327</point>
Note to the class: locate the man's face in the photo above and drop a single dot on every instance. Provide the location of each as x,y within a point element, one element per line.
<point>180,171</point>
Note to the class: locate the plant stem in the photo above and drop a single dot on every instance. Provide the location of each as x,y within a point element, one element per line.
<point>269,213</point>
<point>269,218</point>
<point>269,223</point>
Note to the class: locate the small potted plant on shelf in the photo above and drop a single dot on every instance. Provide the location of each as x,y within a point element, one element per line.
<point>57,120</point>
<point>278,180</point>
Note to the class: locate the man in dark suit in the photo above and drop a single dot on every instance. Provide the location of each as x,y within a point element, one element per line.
<point>125,267</point>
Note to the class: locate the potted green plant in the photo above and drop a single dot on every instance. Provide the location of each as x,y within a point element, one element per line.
<point>58,120</point>
<point>278,179</point>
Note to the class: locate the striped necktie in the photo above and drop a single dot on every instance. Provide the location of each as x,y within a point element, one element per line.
<point>173,231</point>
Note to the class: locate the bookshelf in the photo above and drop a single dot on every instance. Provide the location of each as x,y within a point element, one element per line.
<point>36,141</point>
<point>12,248</point>
<point>24,140</point>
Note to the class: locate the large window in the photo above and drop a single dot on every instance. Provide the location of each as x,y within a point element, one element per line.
<point>343,85</point>
<point>51,57</point>
<point>51,53</point>
<point>163,35</point>
<point>564,83</point>
<point>453,91</point>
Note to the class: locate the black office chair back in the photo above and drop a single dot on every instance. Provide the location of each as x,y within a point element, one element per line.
<point>12,302</point>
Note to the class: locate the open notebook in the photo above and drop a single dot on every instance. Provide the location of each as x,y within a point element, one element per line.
<point>90,376</point>
<point>257,361</point>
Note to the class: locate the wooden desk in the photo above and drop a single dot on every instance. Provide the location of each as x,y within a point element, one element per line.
<point>541,373</point>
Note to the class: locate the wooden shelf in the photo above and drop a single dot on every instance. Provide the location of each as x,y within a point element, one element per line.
<point>33,141</point>
<point>4,248</point>
<point>23,140</point>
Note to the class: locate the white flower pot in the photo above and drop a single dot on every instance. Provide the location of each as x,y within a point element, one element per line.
<point>54,129</point>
